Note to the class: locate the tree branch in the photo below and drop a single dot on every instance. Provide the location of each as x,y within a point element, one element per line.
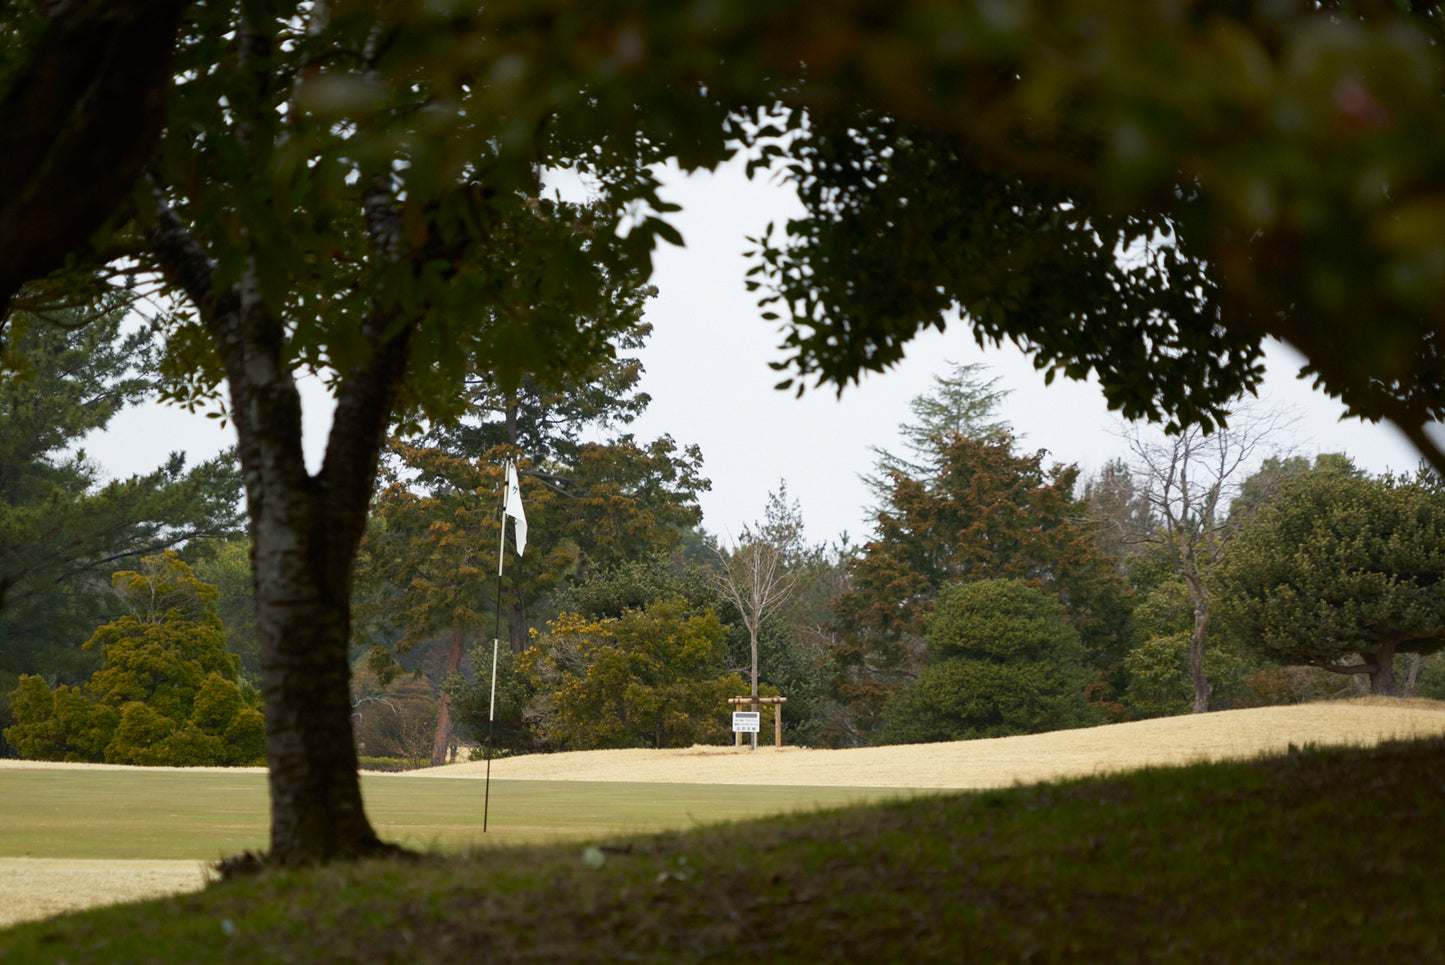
<point>81,119</point>
<point>1348,670</point>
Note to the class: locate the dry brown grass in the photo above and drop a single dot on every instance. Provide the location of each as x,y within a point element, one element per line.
<point>41,887</point>
<point>1236,734</point>
<point>36,888</point>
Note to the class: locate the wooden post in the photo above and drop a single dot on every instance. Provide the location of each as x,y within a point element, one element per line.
<point>754,702</point>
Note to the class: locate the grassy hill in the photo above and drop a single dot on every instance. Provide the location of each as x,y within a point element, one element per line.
<point>1315,855</point>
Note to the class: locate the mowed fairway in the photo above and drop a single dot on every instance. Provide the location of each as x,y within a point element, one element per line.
<point>81,812</point>
<point>76,835</point>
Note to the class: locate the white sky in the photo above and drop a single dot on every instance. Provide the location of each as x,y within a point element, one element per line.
<point>706,369</point>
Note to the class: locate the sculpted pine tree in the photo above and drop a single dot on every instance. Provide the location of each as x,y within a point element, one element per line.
<point>1002,659</point>
<point>1341,572</point>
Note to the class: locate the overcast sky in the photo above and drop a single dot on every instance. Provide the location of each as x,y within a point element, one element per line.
<point>707,373</point>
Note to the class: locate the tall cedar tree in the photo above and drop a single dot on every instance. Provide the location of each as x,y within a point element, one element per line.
<point>429,561</point>
<point>987,514</point>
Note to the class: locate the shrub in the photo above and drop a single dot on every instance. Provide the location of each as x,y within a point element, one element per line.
<point>1002,660</point>
<point>166,692</point>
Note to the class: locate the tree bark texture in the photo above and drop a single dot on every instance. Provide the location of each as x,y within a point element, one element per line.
<point>81,119</point>
<point>1382,679</point>
<point>517,636</point>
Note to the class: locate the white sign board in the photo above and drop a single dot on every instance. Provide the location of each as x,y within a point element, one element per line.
<point>747,722</point>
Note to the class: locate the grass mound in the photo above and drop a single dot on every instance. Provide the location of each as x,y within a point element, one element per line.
<point>1315,855</point>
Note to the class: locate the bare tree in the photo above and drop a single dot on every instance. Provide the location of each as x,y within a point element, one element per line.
<point>762,570</point>
<point>1200,488</point>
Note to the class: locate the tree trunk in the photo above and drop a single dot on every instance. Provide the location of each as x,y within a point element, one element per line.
<point>517,636</point>
<point>444,711</point>
<point>753,641</point>
<point>303,620</point>
<point>1382,680</point>
<point>1417,660</point>
<point>1200,599</point>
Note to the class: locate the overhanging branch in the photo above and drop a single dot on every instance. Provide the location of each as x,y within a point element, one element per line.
<point>1349,669</point>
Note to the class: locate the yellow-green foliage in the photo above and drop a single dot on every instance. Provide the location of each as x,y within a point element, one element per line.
<point>167,692</point>
<point>650,678</point>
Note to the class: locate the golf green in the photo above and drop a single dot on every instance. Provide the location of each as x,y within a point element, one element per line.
<point>103,813</point>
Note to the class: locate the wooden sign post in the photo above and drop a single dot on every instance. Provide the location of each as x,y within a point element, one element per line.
<point>777,704</point>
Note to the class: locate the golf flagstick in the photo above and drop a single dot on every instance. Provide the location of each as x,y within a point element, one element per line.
<point>491,713</point>
<point>512,506</point>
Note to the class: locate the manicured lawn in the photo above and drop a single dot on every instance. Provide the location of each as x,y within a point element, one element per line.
<point>80,813</point>
<point>1313,856</point>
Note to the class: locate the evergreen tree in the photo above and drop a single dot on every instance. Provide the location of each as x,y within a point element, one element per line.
<point>63,527</point>
<point>1341,572</point>
<point>1002,659</point>
<point>987,514</point>
<point>961,403</point>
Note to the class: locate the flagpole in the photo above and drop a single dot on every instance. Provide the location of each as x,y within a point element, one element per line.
<point>511,507</point>
<point>496,632</point>
<point>491,713</point>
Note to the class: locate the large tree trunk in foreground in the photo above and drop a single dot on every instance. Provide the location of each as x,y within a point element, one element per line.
<point>304,624</point>
<point>305,531</point>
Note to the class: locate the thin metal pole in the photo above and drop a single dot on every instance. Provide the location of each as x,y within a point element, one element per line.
<point>496,632</point>
<point>491,713</point>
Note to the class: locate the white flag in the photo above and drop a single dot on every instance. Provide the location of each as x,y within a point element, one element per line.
<point>514,509</point>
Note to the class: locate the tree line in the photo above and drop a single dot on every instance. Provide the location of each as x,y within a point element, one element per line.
<point>995,595</point>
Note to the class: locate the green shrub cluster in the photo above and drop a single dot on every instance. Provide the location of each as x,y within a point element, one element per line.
<point>166,694</point>
<point>1002,659</point>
